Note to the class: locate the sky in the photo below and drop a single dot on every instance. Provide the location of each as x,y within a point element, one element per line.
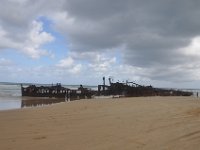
<point>150,42</point>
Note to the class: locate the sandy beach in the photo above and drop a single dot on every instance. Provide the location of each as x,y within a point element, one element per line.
<point>151,123</point>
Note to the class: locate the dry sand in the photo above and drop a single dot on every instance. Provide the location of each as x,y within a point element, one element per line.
<point>153,123</point>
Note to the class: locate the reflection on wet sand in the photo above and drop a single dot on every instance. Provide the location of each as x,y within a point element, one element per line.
<point>33,102</point>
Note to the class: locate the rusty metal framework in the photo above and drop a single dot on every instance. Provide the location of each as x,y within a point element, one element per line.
<point>56,91</point>
<point>125,89</point>
<point>132,89</point>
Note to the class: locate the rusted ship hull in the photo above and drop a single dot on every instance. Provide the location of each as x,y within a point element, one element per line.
<point>131,89</point>
<point>128,89</point>
<point>45,91</point>
<point>56,91</point>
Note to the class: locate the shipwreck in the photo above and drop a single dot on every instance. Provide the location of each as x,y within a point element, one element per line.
<point>120,89</point>
<point>56,91</point>
<point>132,89</point>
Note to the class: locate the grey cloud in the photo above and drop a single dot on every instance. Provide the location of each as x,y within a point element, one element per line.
<point>16,16</point>
<point>151,32</point>
<point>129,22</point>
<point>19,28</point>
<point>92,10</point>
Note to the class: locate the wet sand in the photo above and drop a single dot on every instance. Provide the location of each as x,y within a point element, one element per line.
<point>150,123</point>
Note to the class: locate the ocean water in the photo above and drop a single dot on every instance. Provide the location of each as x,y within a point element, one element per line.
<point>10,94</point>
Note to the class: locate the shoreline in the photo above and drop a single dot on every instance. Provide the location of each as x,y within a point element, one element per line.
<point>122,123</point>
<point>98,98</point>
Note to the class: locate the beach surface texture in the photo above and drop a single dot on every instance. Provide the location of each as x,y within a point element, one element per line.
<point>149,123</point>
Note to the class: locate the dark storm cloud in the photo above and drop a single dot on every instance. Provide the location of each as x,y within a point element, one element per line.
<point>151,32</point>
<point>131,20</point>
